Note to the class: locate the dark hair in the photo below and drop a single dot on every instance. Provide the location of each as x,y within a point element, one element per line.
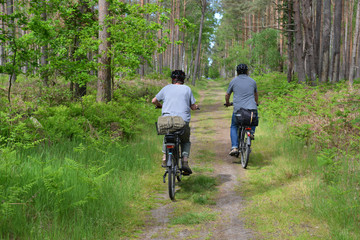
<point>242,69</point>
<point>178,76</point>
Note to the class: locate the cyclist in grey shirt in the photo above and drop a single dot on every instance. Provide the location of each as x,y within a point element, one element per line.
<point>245,96</point>
<point>178,100</point>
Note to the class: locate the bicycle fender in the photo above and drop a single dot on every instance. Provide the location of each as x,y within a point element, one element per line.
<point>249,141</point>
<point>169,160</point>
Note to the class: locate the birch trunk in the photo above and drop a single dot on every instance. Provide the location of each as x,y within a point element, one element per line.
<point>104,74</point>
<point>2,46</point>
<point>44,52</point>
<point>11,30</point>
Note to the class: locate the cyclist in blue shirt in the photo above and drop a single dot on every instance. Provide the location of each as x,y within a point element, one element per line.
<point>245,96</point>
<point>178,100</point>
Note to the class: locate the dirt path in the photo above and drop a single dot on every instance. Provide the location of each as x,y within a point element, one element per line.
<point>210,133</point>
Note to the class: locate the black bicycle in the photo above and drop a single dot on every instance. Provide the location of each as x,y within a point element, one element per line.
<point>244,145</point>
<point>173,168</point>
<point>174,158</point>
<point>244,139</point>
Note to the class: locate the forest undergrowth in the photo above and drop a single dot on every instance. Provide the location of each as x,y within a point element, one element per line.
<point>73,167</point>
<point>311,160</point>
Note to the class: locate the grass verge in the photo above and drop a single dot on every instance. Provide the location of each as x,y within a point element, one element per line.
<point>278,189</point>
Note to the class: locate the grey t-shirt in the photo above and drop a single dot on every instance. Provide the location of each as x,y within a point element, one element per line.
<point>177,100</point>
<point>243,88</point>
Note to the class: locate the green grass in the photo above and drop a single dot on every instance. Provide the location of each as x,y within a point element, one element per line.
<point>277,189</point>
<point>316,150</point>
<point>191,218</point>
<point>71,190</point>
<point>199,189</point>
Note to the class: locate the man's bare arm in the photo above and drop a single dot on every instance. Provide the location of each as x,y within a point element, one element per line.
<point>156,102</point>
<point>227,99</point>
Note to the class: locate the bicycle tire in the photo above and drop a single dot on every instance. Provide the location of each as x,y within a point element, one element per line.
<point>245,154</point>
<point>241,143</point>
<point>171,179</point>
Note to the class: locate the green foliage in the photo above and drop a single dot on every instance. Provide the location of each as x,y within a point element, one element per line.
<point>72,188</point>
<point>17,131</point>
<point>133,35</point>
<point>324,118</point>
<point>70,34</point>
<point>54,117</point>
<point>264,53</point>
<point>213,72</point>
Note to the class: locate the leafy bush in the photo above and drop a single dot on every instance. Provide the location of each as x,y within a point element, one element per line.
<point>54,117</point>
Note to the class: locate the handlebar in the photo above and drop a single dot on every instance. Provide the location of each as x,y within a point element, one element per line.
<point>231,104</point>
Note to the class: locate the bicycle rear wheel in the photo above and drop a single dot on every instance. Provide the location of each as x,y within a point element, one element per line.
<point>171,179</point>
<point>245,151</point>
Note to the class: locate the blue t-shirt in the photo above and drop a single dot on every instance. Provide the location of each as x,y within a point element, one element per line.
<point>177,100</point>
<point>244,88</point>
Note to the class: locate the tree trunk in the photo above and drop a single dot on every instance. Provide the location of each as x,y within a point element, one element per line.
<point>197,57</point>
<point>290,44</point>
<point>345,43</point>
<point>300,68</point>
<point>176,35</point>
<point>337,41</point>
<point>182,57</point>
<point>308,34</point>
<point>2,46</point>
<point>44,52</point>
<point>325,46</point>
<point>349,38</point>
<point>104,73</point>
<point>11,29</point>
<point>355,46</point>
<point>317,37</point>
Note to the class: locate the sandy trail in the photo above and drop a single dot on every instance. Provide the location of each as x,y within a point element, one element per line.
<point>229,202</point>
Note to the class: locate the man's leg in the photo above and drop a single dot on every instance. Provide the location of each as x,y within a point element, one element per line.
<point>234,136</point>
<point>185,148</point>
<point>163,162</point>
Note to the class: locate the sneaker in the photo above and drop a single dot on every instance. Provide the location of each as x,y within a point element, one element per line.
<point>234,151</point>
<point>186,169</point>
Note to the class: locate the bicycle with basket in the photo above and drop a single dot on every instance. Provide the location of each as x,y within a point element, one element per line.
<point>172,127</point>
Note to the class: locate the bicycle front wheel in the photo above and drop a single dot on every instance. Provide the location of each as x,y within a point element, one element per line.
<point>245,153</point>
<point>171,179</point>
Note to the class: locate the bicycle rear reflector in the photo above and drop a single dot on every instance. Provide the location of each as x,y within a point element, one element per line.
<point>170,146</point>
